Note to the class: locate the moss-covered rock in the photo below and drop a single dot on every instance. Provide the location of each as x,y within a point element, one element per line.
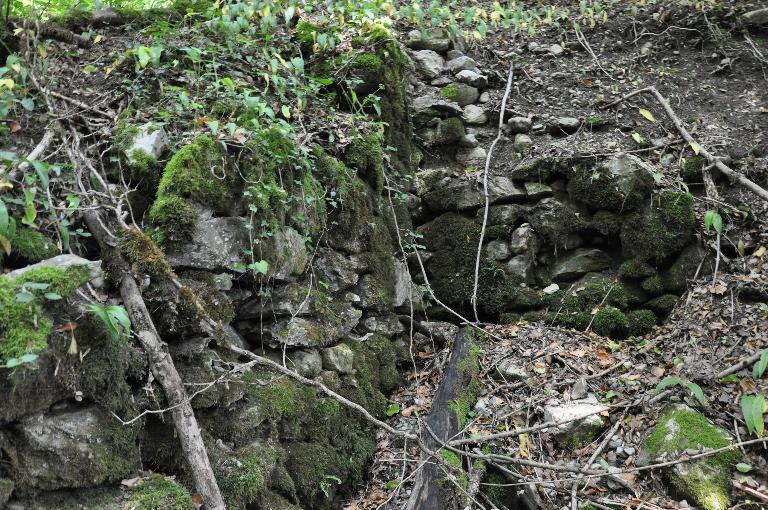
<point>572,308</point>
<point>606,223</point>
<point>192,176</point>
<point>661,230</point>
<point>244,475</point>
<point>706,482</point>
<point>636,269</point>
<point>6,489</point>
<point>24,327</point>
<point>640,322</point>
<point>30,245</point>
<point>694,260</point>
<point>610,321</point>
<point>160,493</point>
<point>365,155</point>
<point>691,170</point>
<point>663,304</point>
<point>620,184</point>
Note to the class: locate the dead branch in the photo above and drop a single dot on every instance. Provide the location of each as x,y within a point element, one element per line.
<point>741,364</point>
<point>485,187</point>
<point>711,158</point>
<point>41,146</point>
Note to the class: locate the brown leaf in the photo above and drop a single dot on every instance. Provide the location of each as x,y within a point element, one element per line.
<point>15,126</point>
<point>67,326</point>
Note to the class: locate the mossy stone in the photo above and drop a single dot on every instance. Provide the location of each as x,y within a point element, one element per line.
<point>619,184</point>
<point>640,322</point>
<point>159,492</point>
<point>663,304</point>
<point>610,321</point>
<point>365,155</point>
<point>661,230</point>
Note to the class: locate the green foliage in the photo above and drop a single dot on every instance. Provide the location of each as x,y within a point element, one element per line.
<point>610,321</point>
<point>694,388</point>
<point>760,366</point>
<point>115,319</point>
<point>640,322</point>
<point>753,407</point>
<point>662,230</point>
<point>160,493</point>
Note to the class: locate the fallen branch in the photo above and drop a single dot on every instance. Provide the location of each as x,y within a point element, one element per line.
<point>741,364</point>
<point>41,146</point>
<point>714,160</point>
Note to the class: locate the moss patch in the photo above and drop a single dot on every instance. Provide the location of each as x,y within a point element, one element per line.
<point>31,245</point>
<point>572,309</point>
<point>245,475</point>
<point>640,322</point>
<point>610,321</point>
<point>160,493</point>
<point>365,155</point>
<point>660,231</point>
<point>24,327</point>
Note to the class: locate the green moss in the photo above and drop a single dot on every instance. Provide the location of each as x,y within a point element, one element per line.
<point>6,489</point>
<point>636,269</point>
<point>653,285</point>
<point>691,171</point>
<point>365,155</point>
<point>450,92</point>
<point>571,309</point>
<point>243,477</point>
<point>333,172</point>
<point>143,169</point>
<point>24,327</point>
<point>509,318</point>
<point>640,322</point>
<point>610,322</point>
<point>143,253</point>
<point>454,468</point>
<point>192,175</point>
<point>116,450</point>
<point>31,245</point>
<point>597,187</point>
<point>498,490</point>
<point>606,223</point>
<point>660,231</point>
<point>306,34</point>
<point>451,129</point>
<point>663,304</point>
<point>310,465</point>
<point>469,382</point>
<point>160,493</point>
<point>707,482</point>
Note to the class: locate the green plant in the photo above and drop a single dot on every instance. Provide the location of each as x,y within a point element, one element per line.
<point>115,319</point>
<point>753,408</point>
<point>326,484</point>
<point>759,368</point>
<point>694,388</point>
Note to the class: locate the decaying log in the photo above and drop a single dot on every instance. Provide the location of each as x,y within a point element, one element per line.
<point>162,366</point>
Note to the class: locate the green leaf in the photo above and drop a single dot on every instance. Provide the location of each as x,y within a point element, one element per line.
<point>669,381</point>
<point>13,362</point>
<point>717,222</point>
<point>728,379</point>
<point>695,147</point>
<point>23,297</point>
<point>697,392</point>
<point>145,55</point>
<point>260,267</point>
<point>743,468</point>
<point>89,69</point>
<point>36,285</point>
<point>709,218</point>
<point>393,409</point>
<point>639,139</point>
<point>752,407</point>
<point>392,484</point>
<point>3,218</point>
<point>28,358</point>
<point>52,296</point>
<point>759,369</point>
<point>648,115</point>
<point>28,104</point>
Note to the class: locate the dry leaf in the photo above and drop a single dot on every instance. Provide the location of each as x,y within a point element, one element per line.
<point>525,445</point>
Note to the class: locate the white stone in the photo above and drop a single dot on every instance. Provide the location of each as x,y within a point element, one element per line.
<point>428,63</point>
<point>339,358</point>
<point>475,115</point>
<point>551,289</point>
<point>151,140</point>
<point>472,78</point>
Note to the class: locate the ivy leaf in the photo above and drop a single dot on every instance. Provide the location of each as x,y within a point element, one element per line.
<point>23,297</point>
<point>648,115</point>
<point>145,55</point>
<point>393,409</point>
<point>261,267</point>
<point>28,104</point>
<point>667,382</point>
<point>743,468</point>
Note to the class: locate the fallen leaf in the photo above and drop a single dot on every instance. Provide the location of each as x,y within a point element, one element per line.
<point>525,445</point>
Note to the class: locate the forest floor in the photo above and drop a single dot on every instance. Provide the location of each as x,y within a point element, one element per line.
<point>715,80</point>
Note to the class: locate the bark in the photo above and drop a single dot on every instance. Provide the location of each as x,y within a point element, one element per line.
<point>431,491</point>
<point>162,367</point>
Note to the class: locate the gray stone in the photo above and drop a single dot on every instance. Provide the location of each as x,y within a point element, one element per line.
<point>339,358</point>
<point>522,141</point>
<point>504,214</point>
<point>550,289</point>
<point>428,107</point>
<point>428,63</point>
<point>484,98</point>
<point>472,78</point>
<point>234,338</point>
<point>442,333</point>
<point>336,270</point>
<point>387,325</point>
<point>756,17</point>
<point>579,422</point>
<point>536,168</point>
<point>469,141</point>
<point>523,240</point>
<point>435,40</point>
<point>579,263</point>
<point>474,157</point>
<point>217,244</point>
<point>69,448</point>
<point>402,283</point>
<point>288,254</point>
<point>465,193</point>
<point>555,50</point>
<point>466,94</point>
<point>440,81</point>
<point>537,190</point>
<point>497,250</point>
<point>519,125</point>
<point>321,331</point>
<point>445,132</point>
<point>307,362</point>
<point>453,54</point>
<point>579,389</point>
<point>223,281</point>
<point>462,63</point>
<point>150,140</point>
<point>521,267</point>
<point>565,125</point>
<point>64,261</point>
<point>620,183</point>
<point>693,259</point>
<point>508,370</point>
<point>475,115</point>
<point>286,300</point>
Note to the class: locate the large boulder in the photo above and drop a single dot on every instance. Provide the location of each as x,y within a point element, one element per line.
<point>69,448</point>
<point>619,184</point>
<point>704,481</point>
<point>217,244</point>
<point>428,63</point>
<point>466,193</point>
